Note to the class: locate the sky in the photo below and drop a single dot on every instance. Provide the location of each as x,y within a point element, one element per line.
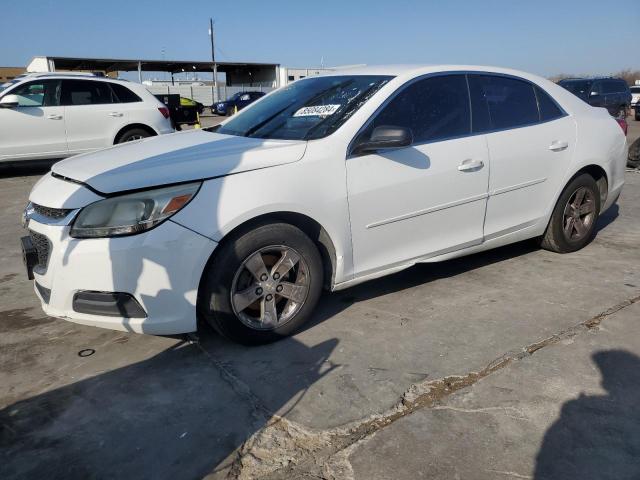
<point>539,36</point>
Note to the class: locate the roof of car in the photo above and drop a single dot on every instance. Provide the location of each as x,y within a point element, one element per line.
<point>74,75</point>
<point>419,69</point>
<point>578,79</point>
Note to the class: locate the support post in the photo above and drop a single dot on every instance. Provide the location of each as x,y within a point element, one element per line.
<point>213,54</point>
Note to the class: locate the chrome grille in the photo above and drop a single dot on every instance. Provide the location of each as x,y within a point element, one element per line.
<point>55,213</point>
<point>42,246</point>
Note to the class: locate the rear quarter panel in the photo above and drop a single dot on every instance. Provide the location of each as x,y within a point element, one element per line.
<point>601,142</point>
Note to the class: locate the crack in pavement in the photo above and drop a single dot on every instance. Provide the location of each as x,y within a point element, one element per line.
<point>284,449</point>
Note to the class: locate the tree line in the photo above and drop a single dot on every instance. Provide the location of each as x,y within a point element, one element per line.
<point>628,75</point>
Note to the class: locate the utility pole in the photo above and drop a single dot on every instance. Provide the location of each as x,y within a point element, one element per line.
<point>213,56</point>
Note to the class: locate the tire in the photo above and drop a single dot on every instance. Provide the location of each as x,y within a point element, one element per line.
<point>223,301</point>
<point>132,135</point>
<point>556,238</point>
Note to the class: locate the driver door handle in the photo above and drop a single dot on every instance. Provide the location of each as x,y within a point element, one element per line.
<point>469,165</point>
<point>54,117</point>
<point>116,114</point>
<point>558,145</point>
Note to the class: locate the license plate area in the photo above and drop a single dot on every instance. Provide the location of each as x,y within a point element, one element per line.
<point>29,255</point>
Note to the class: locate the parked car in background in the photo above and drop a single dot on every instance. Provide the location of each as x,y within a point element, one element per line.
<point>50,115</point>
<point>188,102</point>
<point>635,100</point>
<point>610,93</point>
<point>635,95</point>
<point>182,110</point>
<point>327,182</point>
<point>236,103</point>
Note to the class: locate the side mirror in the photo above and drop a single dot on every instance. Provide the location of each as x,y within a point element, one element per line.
<point>386,137</point>
<point>9,101</point>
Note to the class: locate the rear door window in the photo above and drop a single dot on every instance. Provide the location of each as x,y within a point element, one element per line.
<point>613,86</point>
<point>511,102</point>
<point>622,86</point>
<point>123,94</point>
<point>434,108</point>
<point>86,92</point>
<point>549,110</point>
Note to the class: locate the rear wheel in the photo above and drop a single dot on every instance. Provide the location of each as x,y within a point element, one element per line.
<point>574,217</point>
<point>262,285</point>
<point>132,135</point>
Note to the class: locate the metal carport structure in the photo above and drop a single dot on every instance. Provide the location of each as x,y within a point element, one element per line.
<point>235,72</point>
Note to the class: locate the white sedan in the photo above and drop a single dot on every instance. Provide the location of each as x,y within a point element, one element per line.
<point>325,183</point>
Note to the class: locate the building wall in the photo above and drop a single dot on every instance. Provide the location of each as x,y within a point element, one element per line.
<point>9,73</point>
<point>288,75</point>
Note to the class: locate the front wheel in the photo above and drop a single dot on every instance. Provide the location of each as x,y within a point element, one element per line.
<point>262,285</point>
<point>573,221</point>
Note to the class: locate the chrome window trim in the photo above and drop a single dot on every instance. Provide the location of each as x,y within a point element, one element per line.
<point>466,73</point>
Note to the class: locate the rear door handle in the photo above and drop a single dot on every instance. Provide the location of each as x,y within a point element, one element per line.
<point>558,145</point>
<point>54,117</point>
<point>116,114</point>
<point>469,165</point>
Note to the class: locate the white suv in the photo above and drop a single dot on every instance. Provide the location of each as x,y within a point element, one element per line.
<point>50,115</point>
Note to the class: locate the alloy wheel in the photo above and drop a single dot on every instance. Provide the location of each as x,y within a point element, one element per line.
<point>270,287</point>
<point>579,214</point>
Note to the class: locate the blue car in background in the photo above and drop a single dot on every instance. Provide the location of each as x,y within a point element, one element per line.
<point>236,102</point>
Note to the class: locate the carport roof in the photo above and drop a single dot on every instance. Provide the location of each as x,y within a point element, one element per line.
<point>128,65</point>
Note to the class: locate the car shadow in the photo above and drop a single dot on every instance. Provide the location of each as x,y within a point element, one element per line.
<point>176,415</point>
<point>608,217</point>
<point>597,436</point>
<point>26,168</point>
<point>333,303</point>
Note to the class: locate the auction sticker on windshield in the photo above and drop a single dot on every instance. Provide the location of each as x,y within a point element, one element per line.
<point>317,111</point>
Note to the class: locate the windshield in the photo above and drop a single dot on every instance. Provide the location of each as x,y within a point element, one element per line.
<point>4,86</point>
<point>304,110</point>
<point>635,89</point>
<point>580,88</point>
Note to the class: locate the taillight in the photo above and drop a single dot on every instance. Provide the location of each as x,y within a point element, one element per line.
<point>164,111</point>
<point>623,124</point>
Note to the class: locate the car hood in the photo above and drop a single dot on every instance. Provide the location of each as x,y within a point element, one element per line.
<point>174,158</point>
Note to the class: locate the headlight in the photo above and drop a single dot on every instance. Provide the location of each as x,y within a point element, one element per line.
<point>131,213</point>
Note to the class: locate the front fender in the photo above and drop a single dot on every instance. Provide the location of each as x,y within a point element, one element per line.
<point>223,204</point>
